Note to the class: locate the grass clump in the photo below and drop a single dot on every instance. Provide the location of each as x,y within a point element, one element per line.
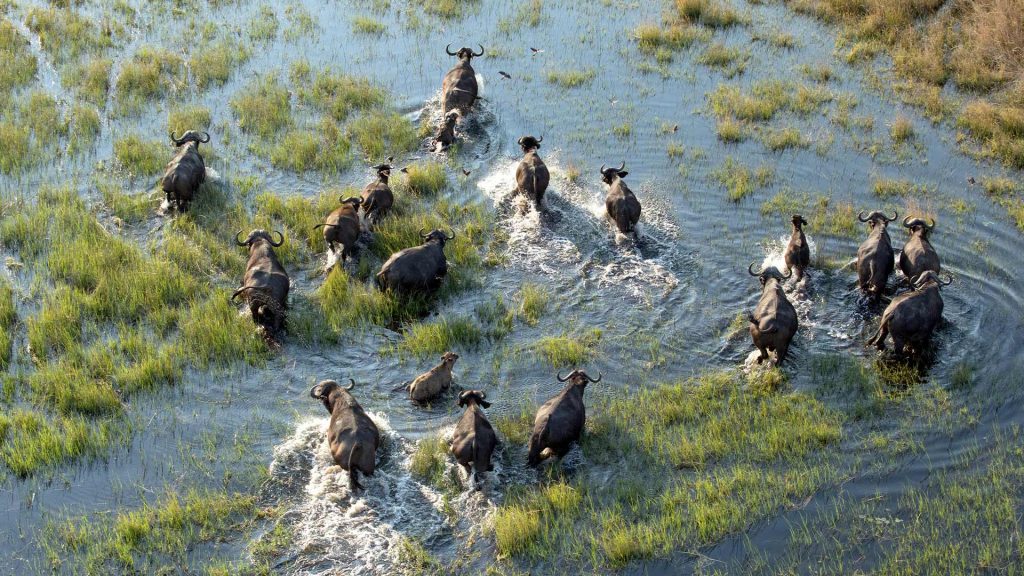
<point>339,95</point>
<point>425,340</point>
<point>651,38</point>
<point>732,61</point>
<point>710,13</point>
<point>263,26</point>
<point>31,441</point>
<point>901,130</point>
<point>263,107</point>
<point>91,80</point>
<point>533,303</point>
<point>66,35</point>
<point>380,134</point>
<point>140,157</point>
<point>19,63</point>
<point>151,73</point>
<point>568,349</point>
<point>424,178</point>
<point>367,25</point>
<point>890,187</point>
<point>571,78</point>
<point>188,117</point>
<point>84,128</point>
<point>528,14</point>
<point>446,8</point>
<point>741,181</point>
<point>212,64</point>
<point>776,140</point>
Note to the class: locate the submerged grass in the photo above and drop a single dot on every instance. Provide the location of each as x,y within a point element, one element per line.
<point>569,349</point>
<point>741,181</point>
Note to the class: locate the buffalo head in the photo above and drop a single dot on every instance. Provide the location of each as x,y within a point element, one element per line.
<point>918,225</point>
<point>578,378</point>
<point>190,136</point>
<point>608,175</point>
<point>355,201</point>
<point>436,236</point>
<point>449,358</point>
<point>256,235</point>
<point>477,396</point>
<point>928,277</point>
<point>323,390</point>
<point>530,143</point>
<point>798,221</point>
<point>769,273</point>
<point>877,217</point>
<point>466,54</point>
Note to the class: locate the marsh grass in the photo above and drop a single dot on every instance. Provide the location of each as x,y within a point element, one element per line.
<point>383,133</point>
<point>783,139</point>
<point>571,78</point>
<point>84,128</point>
<point>66,35</point>
<point>188,117</point>
<point>710,13</point>
<point>263,107</point>
<point>212,64</point>
<point>367,25</point>
<point>339,95</point>
<point>569,349</point>
<point>730,60</point>
<point>150,74</point>
<point>528,14</point>
<point>425,178</point>
<point>141,157</point>
<point>447,8</point>
<point>652,38</point>
<point>19,64</point>
<point>741,181</point>
<point>263,26</point>
<point>692,470</point>
<point>32,440</point>
<point>901,130</point>
<point>890,187</point>
<point>533,303</point>
<point>90,79</point>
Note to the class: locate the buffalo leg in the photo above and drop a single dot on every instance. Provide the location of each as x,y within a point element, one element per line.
<point>781,352</point>
<point>879,340</point>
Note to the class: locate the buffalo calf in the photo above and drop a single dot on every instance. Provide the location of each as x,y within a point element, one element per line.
<point>798,254</point>
<point>435,381</point>
<point>417,269</point>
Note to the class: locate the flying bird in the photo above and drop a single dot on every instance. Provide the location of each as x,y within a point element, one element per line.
<point>505,75</point>
<point>404,170</point>
<point>675,128</point>
<point>536,50</point>
<point>614,101</point>
<point>466,172</point>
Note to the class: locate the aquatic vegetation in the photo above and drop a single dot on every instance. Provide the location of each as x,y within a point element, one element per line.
<point>263,107</point>
<point>528,14</point>
<point>264,24</point>
<point>21,65</point>
<point>689,472</point>
<point>710,13</point>
<point>90,79</point>
<point>571,78</point>
<point>141,157</point>
<point>732,61</point>
<point>739,180</point>
<point>339,95</point>
<point>84,128</point>
<point>213,63</point>
<point>423,340</point>
<point>423,178</point>
<point>570,349</point>
<point>379,134</point>
<point>651,37</point>
<point>188,117</point>
<point>783,139</point>
<point>533,303</point>
<point>446,8</point>
<point>367,25</point>
<point>901,130</point>
<point>151,73</point>
<point>889,187</point>
<point>66,35</point>
<point>820,72</point>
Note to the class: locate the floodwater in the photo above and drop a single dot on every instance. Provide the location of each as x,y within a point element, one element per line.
<point>672,295</point>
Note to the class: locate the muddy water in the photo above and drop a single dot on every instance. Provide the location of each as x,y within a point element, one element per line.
<point>663,304</point>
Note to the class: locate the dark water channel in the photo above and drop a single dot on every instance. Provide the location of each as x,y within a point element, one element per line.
<point>664,307</point>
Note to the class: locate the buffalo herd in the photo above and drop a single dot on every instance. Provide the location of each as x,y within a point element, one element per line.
<point>353,438</point>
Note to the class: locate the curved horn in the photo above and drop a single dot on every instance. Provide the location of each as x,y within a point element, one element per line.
<point>861,217</point>
<point>599,376</point>
<point>422,235</point>
<point>483,395</point>
<point>207,138</point>
<point>750,269</point>
<point>311,395</point>
<point>906,222</point>
<point>351,385</point>
<point>279,242</point>
<point>448,49</point>
<point>932,225</point>
<point>450,237</point>
<point>947,282</point>
<point>539,140</point>
<point>559,376</point>
<point>602,168</point>
<point>174,138</point>
<point>341,199</point>
<point>623,167</point>
<point>895,215</point>
<point>788,276</point>
<point>237,241</point>
<point>477,55</point>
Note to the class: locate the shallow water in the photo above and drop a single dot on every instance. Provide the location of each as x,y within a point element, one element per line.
<point>679,287</point>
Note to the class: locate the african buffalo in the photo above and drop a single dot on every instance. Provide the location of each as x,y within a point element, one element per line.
<point>433,382</point>
<point>773,323</point>
<point>417,269</point>
<point>875,256</point>
<point>342,226</point>
<point>532,174</point>
<point>912,316</point>
<point>377,196</point>
<point>559,422</point>
<point>798,254</point>
<point>474,440</point>
<point>265,284</point>
<point>622,205</point>
<point>351,435</point>
<point>918,255</point>
<point>459,88</point>
<point>186,171</point>
<point>446,131</point>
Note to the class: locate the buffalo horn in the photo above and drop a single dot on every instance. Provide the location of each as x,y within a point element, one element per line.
<point>599,376</point>
<point>788,276</point>
<point>422,235</point>
<point>750,269</point>
<point>539,140</point>
<point>207,138</point>
<point>481,53</point>
<point>947,282</point>
<point>895,215</point>
<point>483,395</point>
<point>623,167</point>
<point>451,236</point>
<point>906,222</point>
<point>448,49</point>
<point>237,241</point>
<point>351,385</point>
<point>602,168</point>
<point>174,139</point>
<point>861,217</point>
<point>311,394</point>
<point>279,242</point>
<point>932,225</point>
<point>559,376</point>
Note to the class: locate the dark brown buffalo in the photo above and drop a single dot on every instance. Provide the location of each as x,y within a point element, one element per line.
<point>186,171</point>
<point>351,435</point>
<point>798,254</point>
<point>474,440</point>
<point>446,131</point>
<point>875,255</point>
<point>342,227</point>
<point>377,196</point>
<point>532,174</point>
<point>265,284</point>
<point>623,207</point>
<point>912,316</point>
<point>918,255</point>
<point>459,89</point>
<point>773,323</point>
<point>559,422</point>
<point>417,269</point>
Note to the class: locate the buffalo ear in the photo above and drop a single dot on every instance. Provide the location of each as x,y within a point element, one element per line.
<point>463,397</point>
<point>483,403</point>
<point>623,173</point>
